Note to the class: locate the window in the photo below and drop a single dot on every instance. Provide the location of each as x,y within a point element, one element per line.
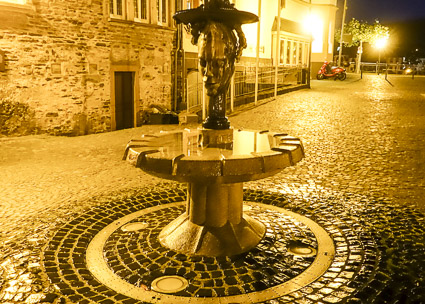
<point>141,10</point>
<point>161,6</point>
<point>293,52</point>
<point>192,4</point>
<point>116,9</point>
<point>282,54</point>
<point>300,53</point>
<point>132,10</point>
<point>288,52</point>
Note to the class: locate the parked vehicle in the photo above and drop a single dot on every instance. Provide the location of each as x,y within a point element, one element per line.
<point>326,71</point>
<point>409,69</point>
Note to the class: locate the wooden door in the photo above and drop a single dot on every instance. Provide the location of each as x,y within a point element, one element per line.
<point>124,100</point>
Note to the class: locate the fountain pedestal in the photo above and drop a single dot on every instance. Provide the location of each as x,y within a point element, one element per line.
<point>214,163</point>
<point>214,223</point>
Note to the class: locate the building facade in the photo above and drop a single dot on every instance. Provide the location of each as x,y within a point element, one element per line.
<point>305,26</point>
<point>297,40</point>
<point>86,66</point>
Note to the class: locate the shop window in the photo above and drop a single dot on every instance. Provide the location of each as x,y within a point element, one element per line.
<point>288,52</point>
<point>294,53</point>
<point>300,53</point>
<point>282,54</point>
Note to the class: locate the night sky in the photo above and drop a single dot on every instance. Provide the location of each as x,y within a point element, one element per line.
<point>405,18</point>
<point>386,11</point>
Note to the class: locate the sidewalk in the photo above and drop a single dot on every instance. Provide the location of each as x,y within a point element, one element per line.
<point>43,177</point>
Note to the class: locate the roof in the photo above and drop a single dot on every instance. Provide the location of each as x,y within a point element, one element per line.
<point>288,26</point>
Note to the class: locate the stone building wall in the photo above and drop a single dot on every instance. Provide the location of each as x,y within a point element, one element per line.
<point>58,58</point>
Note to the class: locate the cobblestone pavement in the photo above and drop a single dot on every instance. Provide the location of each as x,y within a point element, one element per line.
<point>360,136</point>
<point>364,144</point>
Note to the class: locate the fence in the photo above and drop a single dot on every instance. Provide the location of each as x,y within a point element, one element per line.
<point>244,82</point>
<point>392,68</point>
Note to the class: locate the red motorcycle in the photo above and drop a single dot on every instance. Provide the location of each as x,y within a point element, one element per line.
<point>326,71</point>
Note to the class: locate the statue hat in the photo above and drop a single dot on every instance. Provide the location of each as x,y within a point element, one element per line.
<point>215,10</point>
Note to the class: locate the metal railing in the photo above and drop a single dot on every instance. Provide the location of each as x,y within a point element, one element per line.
<point>392,68</point>
<point>194,93</point>
<point>244,82</point>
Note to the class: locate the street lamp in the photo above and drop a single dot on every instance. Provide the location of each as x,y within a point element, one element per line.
<point>380,44</point>
<point>313,25</point>
<point>342,32</point>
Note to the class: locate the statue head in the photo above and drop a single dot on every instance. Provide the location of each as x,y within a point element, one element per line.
<point>216,28</point>
<point>217,51</point>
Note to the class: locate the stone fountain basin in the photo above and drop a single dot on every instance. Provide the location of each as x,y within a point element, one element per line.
<point>215,164</point>
<point>207,156</point>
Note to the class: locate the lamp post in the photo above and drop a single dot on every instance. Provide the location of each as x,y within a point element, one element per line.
<point>342,33</point>
<point>380,44</point>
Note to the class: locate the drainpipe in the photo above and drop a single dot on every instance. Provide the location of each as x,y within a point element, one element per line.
<point>257,63</point>
<point>279,9</point>
<point>179,50</point>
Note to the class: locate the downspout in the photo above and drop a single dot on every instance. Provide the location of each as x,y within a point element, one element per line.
<point>279,9</point>
<point>176,58</point>
<point>257,59</point>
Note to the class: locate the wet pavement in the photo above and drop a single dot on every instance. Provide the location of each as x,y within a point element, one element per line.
<point>362,180</point>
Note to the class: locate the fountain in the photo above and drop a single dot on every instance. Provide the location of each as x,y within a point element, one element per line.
<point>214,160</point>
<point>126,250</point>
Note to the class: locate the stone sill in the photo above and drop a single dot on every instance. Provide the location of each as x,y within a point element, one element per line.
<point>141,24</point>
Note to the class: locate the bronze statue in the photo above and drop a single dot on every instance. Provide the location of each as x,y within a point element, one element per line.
<point>215,160</point>
<point>216,29</point>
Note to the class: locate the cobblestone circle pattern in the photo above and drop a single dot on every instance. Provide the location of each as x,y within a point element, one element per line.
<point>139,258</point>
<point>380,253</point>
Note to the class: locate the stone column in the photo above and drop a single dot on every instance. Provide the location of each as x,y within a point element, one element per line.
<point>215,205</point>
<point>214,223</point>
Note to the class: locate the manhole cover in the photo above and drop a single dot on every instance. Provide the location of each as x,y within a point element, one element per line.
<point>134,226</point>
<point>301,249</point>
<point>169,284</point>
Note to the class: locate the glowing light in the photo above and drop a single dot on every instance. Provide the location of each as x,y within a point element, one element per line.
<point>250,31</point>
<point>381,43</point>
<point>313,25</point>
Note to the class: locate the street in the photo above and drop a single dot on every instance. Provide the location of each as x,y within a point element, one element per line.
<point>362,137</point>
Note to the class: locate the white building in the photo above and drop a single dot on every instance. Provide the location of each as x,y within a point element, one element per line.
<point>306,37</point>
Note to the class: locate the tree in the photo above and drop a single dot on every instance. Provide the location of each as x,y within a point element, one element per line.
<point>362,32</point>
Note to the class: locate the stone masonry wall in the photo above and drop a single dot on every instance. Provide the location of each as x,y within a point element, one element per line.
<point>58,60</point>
